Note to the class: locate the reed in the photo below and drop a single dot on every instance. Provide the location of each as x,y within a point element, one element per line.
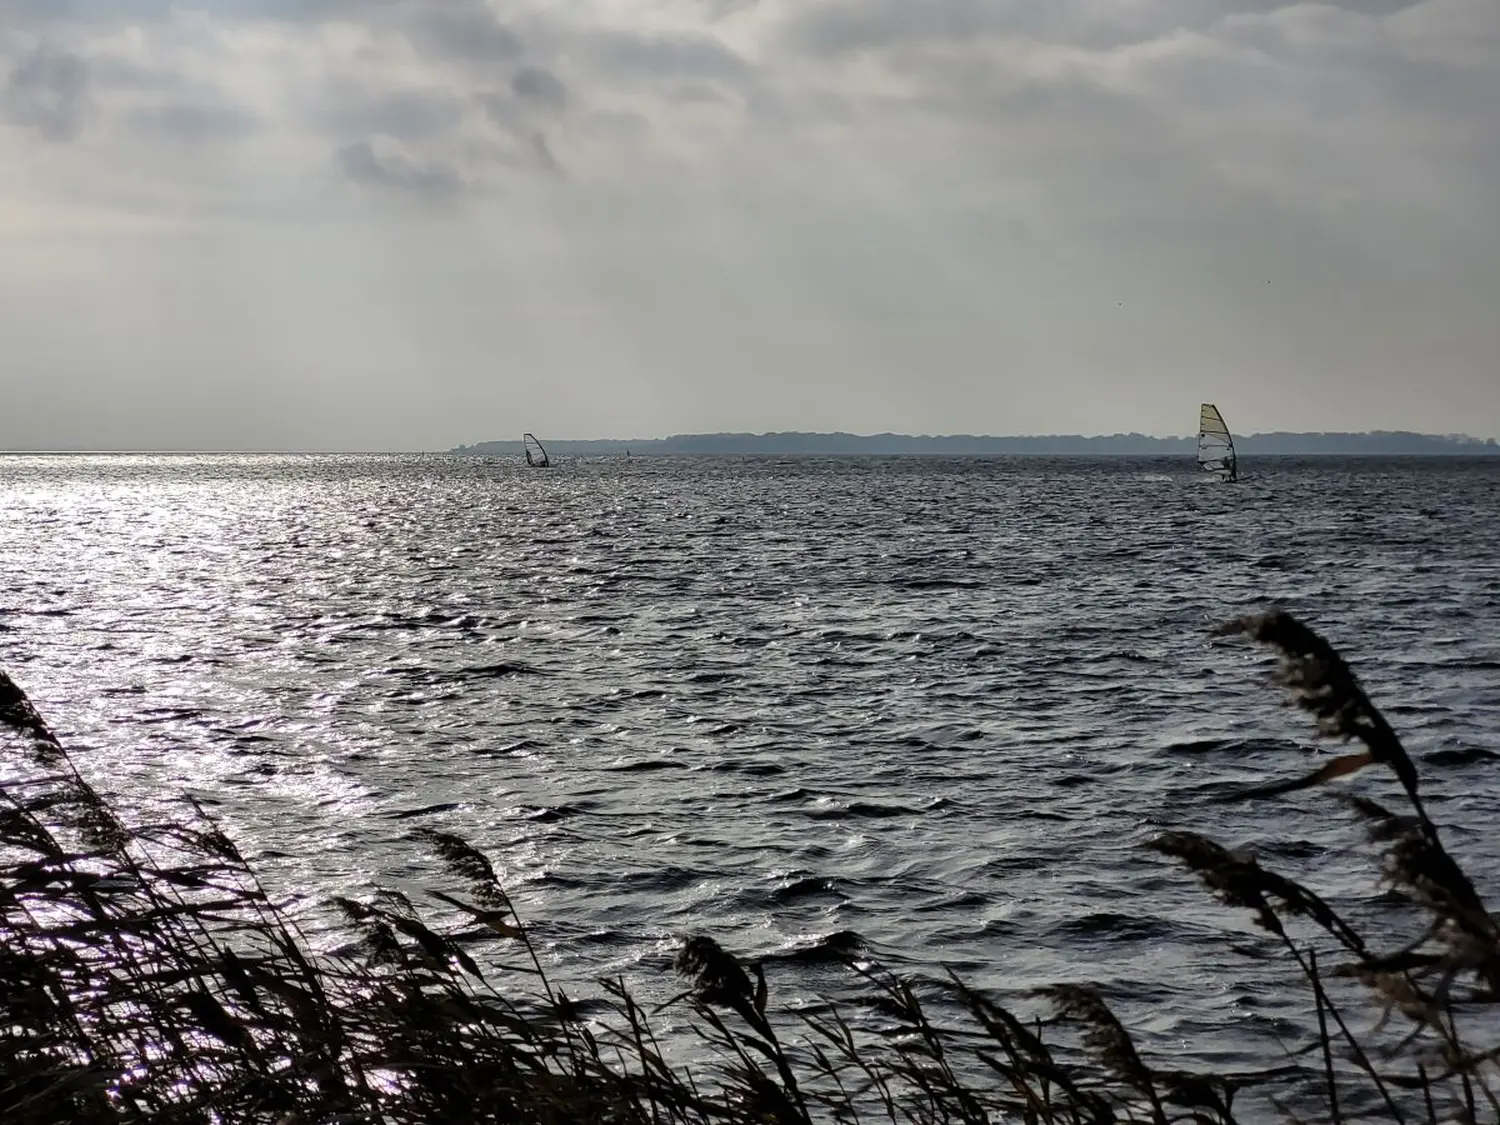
<point>146,975</point>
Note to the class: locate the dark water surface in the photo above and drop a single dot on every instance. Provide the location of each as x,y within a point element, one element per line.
<point>936,705</point>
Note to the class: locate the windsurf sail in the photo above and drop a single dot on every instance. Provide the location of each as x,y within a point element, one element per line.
<point>536,455</point>
<point>1216,444</point>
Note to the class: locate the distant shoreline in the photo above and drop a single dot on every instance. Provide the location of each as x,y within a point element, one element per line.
<point>1378,443</point>
<point>1374,443</point>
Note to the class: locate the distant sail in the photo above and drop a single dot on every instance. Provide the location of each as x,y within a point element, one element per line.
<point>1216,444</point>
<point>536,456</point>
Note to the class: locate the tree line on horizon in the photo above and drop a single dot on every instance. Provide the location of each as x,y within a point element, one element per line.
<point>1277,443</point>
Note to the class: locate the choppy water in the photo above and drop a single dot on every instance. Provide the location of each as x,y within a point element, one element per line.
<point>937,705</point>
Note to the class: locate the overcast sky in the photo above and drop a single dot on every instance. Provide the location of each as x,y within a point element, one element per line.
<point>356,224</point>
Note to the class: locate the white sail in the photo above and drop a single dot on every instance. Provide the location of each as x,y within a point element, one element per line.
<point>1216,444</point>
<point>536,455</point>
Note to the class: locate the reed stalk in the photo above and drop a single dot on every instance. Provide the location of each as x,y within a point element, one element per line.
<point>146,975</point>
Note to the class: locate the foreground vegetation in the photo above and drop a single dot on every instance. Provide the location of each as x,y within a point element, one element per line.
<point>145,975</point>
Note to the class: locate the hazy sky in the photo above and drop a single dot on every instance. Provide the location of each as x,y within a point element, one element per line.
<point>356,224</point>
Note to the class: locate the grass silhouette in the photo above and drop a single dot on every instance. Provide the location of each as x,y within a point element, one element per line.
<point>146,976</point>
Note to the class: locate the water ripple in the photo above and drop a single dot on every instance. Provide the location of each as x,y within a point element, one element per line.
<point>925,708</point>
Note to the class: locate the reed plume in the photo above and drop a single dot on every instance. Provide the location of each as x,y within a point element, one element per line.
<point>147,976</point>
<point>1321,683</point>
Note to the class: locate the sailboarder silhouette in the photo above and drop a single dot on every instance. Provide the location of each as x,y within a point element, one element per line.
<point>1216,444</point>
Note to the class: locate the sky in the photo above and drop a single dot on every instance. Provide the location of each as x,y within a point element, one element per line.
<point>409,224</point>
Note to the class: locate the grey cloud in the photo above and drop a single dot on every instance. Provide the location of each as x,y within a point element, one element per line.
<point>195,122</point>
<point>1301,100</point>
<point>543,152</point>
<point>111,72</point>
<point>533,84</point>
<point>1380,68</point>
<point>48,91</point>
<point>719,9</point>
<point>467,31</point>
<point>855,25</point>
<point>528,146</point>
<point>115,12</point>
<point>362,165</point>
<point>295,11</point>
<point>1375,7</point>
<point>404,114</point>
<point>535,95</point>
<point>614,126</point>
<point>849,26</point>
<point>664,56</point>
<point>700,93</point>
<point>32,13</point>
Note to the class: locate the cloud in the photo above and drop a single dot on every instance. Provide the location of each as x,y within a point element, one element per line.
<point>842,26</point>
<point>540,87</point>
<point>362,165</point>
<point>468,32</point>
<point>94,13</point>
<point>830,202</point>
<point>195,123</point>
<point>537,100</point>
<point>682,55</point>
<point>1302,104</point>
<point>406,114</point>
<point>48,90</point>
<point>543,152</point>
<point>1306,105</point>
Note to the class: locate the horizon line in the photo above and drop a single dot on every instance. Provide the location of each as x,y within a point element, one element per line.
<point>1452,436</point>
<point>308,451</point>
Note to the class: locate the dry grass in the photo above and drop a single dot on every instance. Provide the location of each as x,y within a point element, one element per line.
<point>146,976</point>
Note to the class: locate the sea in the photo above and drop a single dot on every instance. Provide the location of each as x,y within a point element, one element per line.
<point>926,710</point>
